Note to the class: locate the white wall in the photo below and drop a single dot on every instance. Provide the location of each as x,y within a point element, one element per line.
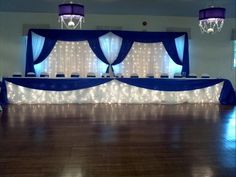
<point>208,53</point>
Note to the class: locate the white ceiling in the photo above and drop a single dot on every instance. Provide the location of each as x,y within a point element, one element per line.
<point>132,7</point>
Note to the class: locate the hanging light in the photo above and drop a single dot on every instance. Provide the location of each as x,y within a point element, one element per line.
<point>71,15</point>
<point>211,19</point>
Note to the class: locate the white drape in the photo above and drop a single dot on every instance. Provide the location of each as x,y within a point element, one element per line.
<point>112,92</point>
<point>179,43</point>
<point>69,57</point>
<point>145,58</point>
<point>37,44</point>
<point>110,45</point>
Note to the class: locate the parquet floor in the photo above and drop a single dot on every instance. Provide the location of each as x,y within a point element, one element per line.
<point>118,140</point>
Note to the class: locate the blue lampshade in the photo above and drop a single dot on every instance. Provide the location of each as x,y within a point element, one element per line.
<point>71,15</point>
<point>212,12</point>
<point>71,9</point>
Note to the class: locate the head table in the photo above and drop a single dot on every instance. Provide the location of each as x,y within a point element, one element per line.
<point>26,90</point>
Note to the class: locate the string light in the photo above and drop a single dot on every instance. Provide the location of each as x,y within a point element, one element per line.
<point>148,58</point>
<point>112,92</point>
<point>68,57</point>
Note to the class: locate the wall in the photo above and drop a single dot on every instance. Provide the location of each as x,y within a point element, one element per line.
<point>211,54</point>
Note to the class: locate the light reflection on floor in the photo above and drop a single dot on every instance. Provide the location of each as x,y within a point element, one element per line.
<point>207,131</point>
<point>229,141</point>
<point>113,113</point>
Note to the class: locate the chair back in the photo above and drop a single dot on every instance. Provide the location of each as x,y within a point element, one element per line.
<point>205,75</point>
<point>30,74</point>
<point>75,74</point>
<point>178,75</point>
<point>164,75</point>
<point>91,74</point>
<point>134,75</point>
<point>44,74</point>
<point>60,74</point>
<point>17,74</point>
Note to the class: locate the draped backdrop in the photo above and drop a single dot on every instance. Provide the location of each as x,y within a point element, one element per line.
<point>103,51</point>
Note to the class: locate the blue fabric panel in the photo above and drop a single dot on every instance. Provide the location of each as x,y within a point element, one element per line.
<point>172,50</point>
<point>97,50</point>
<point>69,35</point>
<point>124,50</point>
<point>170,84</point>
<point>148,37</point>
<point>185,68</point>
<point>58,84</point>
<point>29,67</point>
<point>228,96</point>
<point>47,48</point>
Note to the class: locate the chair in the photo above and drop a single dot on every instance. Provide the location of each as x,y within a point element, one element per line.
<point>178,75</point>
<point>192,75</point>
<point>17,74</point>
<point>150,75</point>
<point>60,74</point>
<point>134,75</point>
<point>91,74</point>
<point>75,74</point>
<point>205,76</point>
<point>164,75</point>
<point>119,75</point>
<point>105,75</point>
<point>44,74</point>
<point>30,74</point>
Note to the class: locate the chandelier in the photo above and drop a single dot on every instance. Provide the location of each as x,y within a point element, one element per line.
<point>211,19</point>
<point>71,15</point>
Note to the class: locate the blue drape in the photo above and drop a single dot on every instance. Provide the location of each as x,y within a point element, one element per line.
<point>51,36</point>
<point>124,50</point>
<point>47,48</point>
<point>95,46</point>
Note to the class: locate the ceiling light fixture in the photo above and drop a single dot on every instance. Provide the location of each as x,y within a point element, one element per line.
<point>211,19</point>
<point>71,15</point>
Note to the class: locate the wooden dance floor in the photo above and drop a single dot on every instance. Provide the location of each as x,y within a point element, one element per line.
<point>118,140</point>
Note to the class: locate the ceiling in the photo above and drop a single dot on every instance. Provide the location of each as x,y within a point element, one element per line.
<point>132,7</point>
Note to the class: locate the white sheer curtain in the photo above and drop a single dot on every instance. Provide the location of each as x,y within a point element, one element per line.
<point>112,92</point>
<point>110,45</point>
<point>145,58</point>
<point>37,44</point>
<point>179,42</point>
<point>68,57</point>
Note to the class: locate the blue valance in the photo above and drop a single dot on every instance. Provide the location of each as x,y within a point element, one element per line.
<point>227,95</point>
<point>52,36</point>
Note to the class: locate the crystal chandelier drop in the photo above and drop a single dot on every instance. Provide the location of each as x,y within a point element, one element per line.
<point>71,15</point>
<point>211,19</point>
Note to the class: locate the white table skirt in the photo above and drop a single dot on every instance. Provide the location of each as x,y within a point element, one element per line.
<point>112,92</point>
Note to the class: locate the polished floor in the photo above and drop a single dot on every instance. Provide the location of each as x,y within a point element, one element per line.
<point>118,140</point>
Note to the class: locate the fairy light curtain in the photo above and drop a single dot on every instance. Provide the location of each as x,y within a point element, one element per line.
<point>93,38</point>
<point>69,57</point>
<point>145,58</point>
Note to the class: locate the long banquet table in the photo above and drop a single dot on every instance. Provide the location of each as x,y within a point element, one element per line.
<point>116,90</point>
